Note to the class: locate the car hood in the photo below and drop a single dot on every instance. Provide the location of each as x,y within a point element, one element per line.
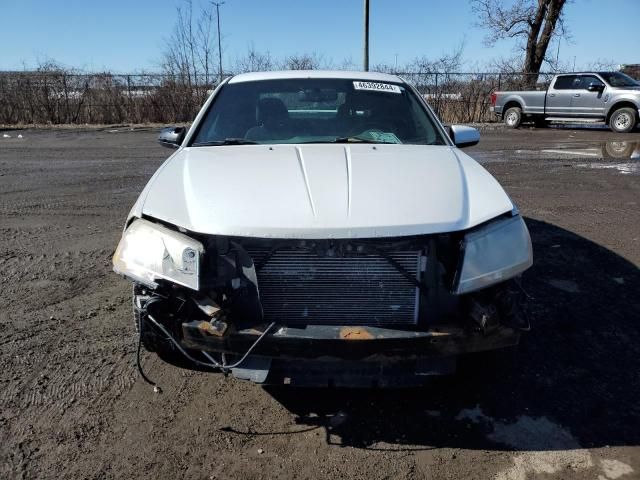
<point>322,191</point>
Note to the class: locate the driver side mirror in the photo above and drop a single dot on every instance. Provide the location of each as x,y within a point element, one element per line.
<point>595,87</point>
<point>172,137</point>
<point>463,136</point>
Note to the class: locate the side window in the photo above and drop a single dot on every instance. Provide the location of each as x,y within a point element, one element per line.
<point>566,82</point>
<point>587,80</point>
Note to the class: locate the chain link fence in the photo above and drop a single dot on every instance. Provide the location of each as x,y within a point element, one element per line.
<point>465,97</point>
<point>104,98</point>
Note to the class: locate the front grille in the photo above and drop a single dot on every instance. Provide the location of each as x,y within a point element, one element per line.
<point>301,287</point>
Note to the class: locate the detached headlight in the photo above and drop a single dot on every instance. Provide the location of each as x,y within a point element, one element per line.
<point>494,253</point>
<point>148,252</point>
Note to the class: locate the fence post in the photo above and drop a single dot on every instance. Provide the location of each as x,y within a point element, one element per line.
<point>130,110</point>
<point>66,99</point>
<point>437,97</point>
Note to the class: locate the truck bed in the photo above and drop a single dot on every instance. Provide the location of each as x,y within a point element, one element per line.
<point>532,100</point>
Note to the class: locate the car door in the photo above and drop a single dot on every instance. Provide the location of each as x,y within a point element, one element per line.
<point>586,103</point>
<point>560,94</point>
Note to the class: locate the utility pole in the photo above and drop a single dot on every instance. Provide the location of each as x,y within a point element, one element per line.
<point>217,4</point>
<point>366,36</point>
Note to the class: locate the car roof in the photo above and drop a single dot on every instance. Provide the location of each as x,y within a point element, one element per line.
<point>583,73</point>
<point>293,74</point>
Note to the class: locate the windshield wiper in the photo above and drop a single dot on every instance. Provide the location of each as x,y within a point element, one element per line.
<point>353,140</point>
<point>226,141</point>
<point>350,140</point>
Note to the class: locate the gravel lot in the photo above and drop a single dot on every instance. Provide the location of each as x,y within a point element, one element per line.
<point>565,405</point>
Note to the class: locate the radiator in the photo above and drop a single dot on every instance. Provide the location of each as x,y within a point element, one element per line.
<point>300,287</point>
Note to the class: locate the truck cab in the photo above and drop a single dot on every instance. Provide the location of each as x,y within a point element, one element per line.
<point>577,95</point>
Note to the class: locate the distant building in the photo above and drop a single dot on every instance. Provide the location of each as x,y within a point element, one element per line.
<point>633,70</point>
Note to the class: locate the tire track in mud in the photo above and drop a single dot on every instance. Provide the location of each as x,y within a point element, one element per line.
<point>37,278</point>
<point>33,282</point>
<point>77,367</point>
<point>56,207</point>
<point>66,389</point>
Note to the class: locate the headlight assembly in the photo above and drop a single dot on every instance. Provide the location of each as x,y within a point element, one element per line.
<point>148,252</point>
<point>494,253</point>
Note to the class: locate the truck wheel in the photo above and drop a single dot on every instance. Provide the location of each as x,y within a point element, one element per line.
<point>623,120</point>
<point>513,117</point>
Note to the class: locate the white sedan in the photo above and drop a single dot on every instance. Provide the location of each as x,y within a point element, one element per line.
<point>323,228</point>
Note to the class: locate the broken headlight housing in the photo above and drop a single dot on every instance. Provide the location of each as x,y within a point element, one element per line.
<point>494,253</point>
<point>148,252</point>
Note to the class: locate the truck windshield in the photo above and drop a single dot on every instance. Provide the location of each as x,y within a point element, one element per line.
<point>617,79</point>
<point>316,111</point>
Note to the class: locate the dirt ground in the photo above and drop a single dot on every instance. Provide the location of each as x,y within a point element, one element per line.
<point>565,405</point>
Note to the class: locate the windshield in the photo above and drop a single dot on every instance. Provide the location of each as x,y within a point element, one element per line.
<point>316,111</point>
<point>617,79</point>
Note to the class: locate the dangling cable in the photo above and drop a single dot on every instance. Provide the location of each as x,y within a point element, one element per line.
<point>156,388</point>
<point>214,363</point>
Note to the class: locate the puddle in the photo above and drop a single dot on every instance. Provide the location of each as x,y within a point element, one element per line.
<point>620,149</point>
<point>622,156</point>
<point>624,168</point>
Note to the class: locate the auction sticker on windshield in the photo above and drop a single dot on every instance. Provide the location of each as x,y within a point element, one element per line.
<point>376,87</point>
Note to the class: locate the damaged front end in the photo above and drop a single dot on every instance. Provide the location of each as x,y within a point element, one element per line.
<point>352,312</point>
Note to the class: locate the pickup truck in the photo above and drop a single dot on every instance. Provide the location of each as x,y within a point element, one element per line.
<point>611,98</point>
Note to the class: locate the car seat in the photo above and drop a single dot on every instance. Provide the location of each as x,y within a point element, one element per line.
<point>273,121</point>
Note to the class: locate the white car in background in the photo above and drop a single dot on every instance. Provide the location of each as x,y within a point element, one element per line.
<point>323,228</point>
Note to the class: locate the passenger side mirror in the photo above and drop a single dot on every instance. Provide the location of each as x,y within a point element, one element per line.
<point>595,87</point>
<point>464,136</point>
<point>171,137</point>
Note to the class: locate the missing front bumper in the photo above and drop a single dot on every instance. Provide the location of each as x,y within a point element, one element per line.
<point>354,357</point>
<point>350,343</point>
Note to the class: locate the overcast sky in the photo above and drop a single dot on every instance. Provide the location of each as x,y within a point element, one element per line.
<point>125,36</point>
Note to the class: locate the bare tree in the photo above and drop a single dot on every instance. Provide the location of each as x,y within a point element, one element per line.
<point>532,22</point>
<point>305,61</point>
<point>254,61</point>
<point>449,62</point>
<point>431,71</point>
<point>347,64</point>
<point>189,53</point>
<point>603,64</point>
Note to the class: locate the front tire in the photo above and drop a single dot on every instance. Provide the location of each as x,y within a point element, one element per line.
<point>513,117</point>
<point>623,120</point>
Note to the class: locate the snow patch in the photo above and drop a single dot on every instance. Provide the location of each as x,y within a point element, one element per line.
<point>530,464</point>
<point>615,469</point>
